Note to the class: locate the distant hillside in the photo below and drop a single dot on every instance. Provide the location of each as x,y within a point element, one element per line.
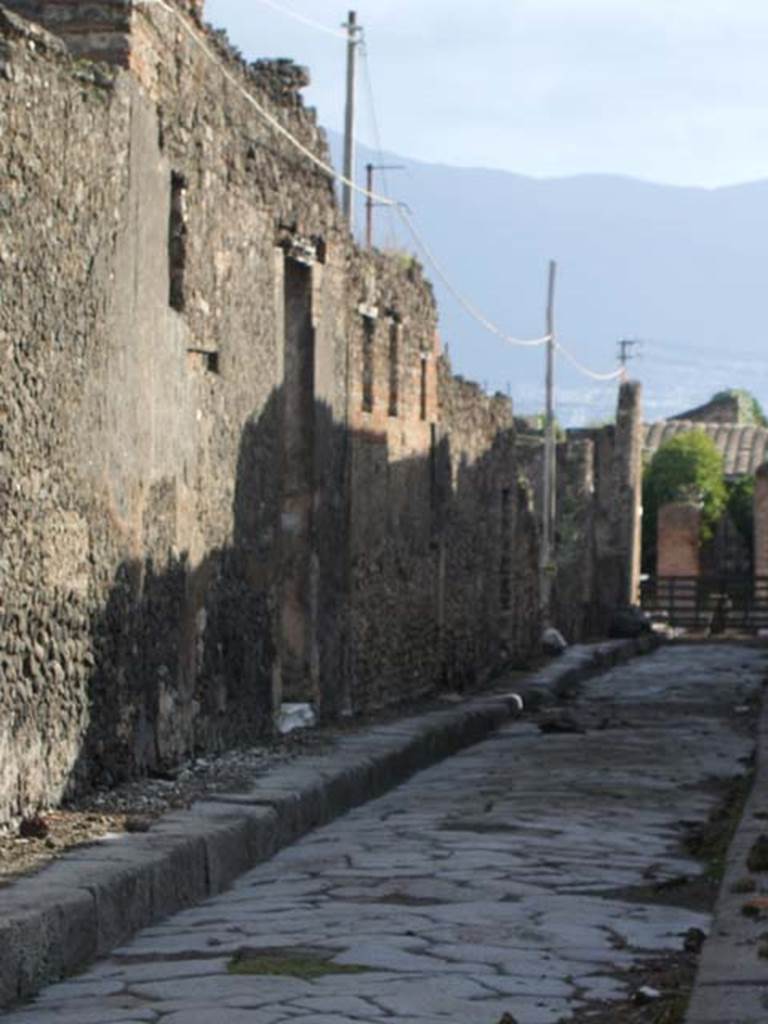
<point>682,268</point>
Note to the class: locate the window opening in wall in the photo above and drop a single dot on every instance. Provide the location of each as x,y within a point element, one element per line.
<point>423,387</point>
<point>177,241</point>
<point>505,562</point>
<point>203,359</point>
<point>394,368</point>
<point>369,333</point>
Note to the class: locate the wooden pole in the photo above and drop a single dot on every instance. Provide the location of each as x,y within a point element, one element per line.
<point>349,119</point>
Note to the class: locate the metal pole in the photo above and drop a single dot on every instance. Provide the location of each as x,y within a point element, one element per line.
<point>349,118</point>
<point>550,449</point>
<point>369,206</point>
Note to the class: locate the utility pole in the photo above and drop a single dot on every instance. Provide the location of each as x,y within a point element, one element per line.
<point>625,351</point>
<point>550,449</point>
<point>353,34</point>
<point>369,203</point>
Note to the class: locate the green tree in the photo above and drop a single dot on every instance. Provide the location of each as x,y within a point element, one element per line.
<point>688,467</point>
<point>741,496</point>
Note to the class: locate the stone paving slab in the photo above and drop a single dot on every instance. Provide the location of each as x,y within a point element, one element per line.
<point>83,905</point>
<point>469,891</point>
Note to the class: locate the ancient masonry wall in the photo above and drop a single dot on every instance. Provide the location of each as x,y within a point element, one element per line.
<point>599,477</point>
<point>234,468</point>
<point>679,533</point>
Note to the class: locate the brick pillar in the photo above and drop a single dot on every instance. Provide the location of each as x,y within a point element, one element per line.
<point>628,482</point>
<point>678,541</point>
<point>761,524</point>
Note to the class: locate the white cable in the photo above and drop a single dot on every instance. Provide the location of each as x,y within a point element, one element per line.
<point>615,375</point>
<point>461,299</point>
<point>377,136</point>
<point>304,19</point>
<point>335,175</point>
<point>271,121</point>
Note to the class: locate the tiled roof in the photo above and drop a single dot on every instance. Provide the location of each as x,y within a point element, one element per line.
<point>744,449</point>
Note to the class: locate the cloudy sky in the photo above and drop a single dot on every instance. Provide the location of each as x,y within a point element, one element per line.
<point>673,91</point>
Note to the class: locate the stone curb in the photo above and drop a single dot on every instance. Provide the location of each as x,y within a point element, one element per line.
<point>731,984</point>
<point>92,900</point>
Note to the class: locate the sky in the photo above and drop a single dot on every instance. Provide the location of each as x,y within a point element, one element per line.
<point>674,91</point>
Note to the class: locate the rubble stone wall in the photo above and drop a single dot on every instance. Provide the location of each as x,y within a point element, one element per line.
<point>234,468</point>
<point>599,480</point>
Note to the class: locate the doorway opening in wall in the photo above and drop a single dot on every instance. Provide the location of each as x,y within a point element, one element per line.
<point>505,561</point>
<point>423,387</point>
<point>394,368</point>
<point>298,484</point>
<point>369,334</point>
<point>177,242</point>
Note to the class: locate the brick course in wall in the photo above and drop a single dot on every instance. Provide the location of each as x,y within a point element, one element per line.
<point>678,543</point>
<point>760,507</point>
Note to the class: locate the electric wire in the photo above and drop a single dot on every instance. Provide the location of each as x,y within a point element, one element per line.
<point>604,377</point>
<point>463,301</point>
<point>272,121</point>
<point>332,173</point>
<point>376,134</point>
<point>406,218</point>
<point>303,19</point>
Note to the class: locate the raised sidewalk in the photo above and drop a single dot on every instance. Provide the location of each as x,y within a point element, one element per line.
<point>731,985</point>
<point>93,899</point>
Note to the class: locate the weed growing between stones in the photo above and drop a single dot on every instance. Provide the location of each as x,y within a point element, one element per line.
<point>710,841</point>
<point>294,962</point>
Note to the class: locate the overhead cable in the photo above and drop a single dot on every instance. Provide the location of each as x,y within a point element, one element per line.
<point>336,176</point>
<point>463,301</point>
<point>304,19</point>
<point>262,111</point>
<point>614,375</point>
<point>377,135</point>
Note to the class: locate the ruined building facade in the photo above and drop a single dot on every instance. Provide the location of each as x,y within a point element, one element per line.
<point>235,468</point>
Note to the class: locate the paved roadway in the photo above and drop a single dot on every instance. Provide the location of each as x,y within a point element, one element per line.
<point>485,885</point>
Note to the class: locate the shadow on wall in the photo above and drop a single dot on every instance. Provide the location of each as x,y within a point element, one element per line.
<point>362,583</point>
<point>183,654</point>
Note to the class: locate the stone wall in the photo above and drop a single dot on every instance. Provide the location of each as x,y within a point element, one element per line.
<point>235,469</point>
<point>145,370</point>
<point>679,539</point>
<point>599,478</point>
<point>760,506</point>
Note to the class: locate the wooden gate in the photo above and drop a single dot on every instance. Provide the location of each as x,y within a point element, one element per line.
<point>702,602</point>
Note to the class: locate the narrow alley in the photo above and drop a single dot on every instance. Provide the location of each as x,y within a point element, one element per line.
<point>513,878</point>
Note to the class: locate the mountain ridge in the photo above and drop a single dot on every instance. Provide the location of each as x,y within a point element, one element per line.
<point>681,267</point>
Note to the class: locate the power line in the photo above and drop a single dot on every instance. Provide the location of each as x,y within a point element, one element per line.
<point>614,375</point>
<point>376,134</point>
<point>463,301</point>
<point>302,18</point>
<point>272,121</point>
<point>331,172</point>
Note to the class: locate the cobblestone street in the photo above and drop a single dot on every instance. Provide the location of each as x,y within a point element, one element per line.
<point>498,881</point>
